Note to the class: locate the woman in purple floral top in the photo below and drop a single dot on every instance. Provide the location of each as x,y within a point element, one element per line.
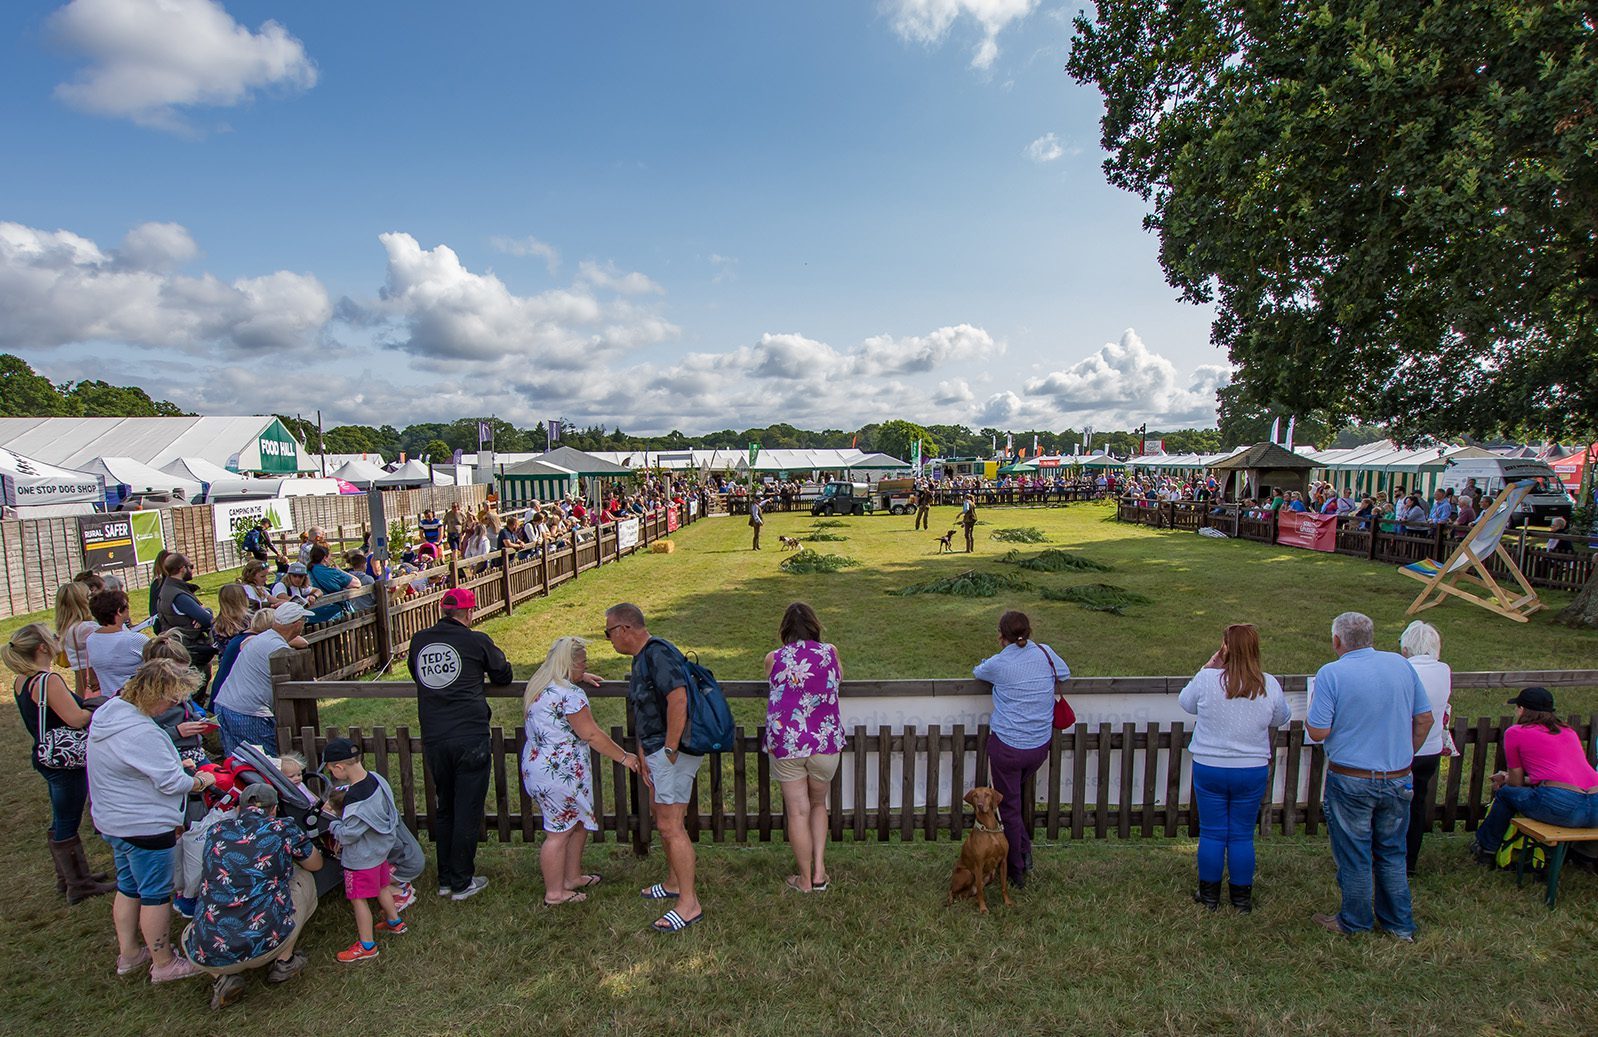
<point>804,735</point>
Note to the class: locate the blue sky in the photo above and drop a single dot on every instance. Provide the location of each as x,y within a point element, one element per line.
<point>651,215</point>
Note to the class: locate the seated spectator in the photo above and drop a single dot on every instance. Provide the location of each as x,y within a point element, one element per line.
<point>1467,515</point>
<point>329,581</point>
<point>255,897</point>
<point>1556,543</point>
<point>244,703</point>
<point>114,651</point>
<point>1442,513</point>
<point>296,586</point>
<point>1412,515</point>
<point>355,565</point>
<point>257,583</point>
<point>1548,777</point>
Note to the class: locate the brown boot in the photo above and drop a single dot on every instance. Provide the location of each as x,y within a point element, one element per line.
<point>81,885</point>
<point>55,858</point>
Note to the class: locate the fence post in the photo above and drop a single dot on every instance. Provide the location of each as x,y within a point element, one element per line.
<point>303,713</point>
<point>575,566</point>
<point>385,634</point>
<point>504,575</point>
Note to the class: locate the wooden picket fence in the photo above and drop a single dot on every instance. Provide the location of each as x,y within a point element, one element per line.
<point>1567,569</point>
<point>369,639</point>
<point>1102,780</point>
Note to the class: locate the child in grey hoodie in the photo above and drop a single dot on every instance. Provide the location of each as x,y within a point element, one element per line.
<point>367,832</point>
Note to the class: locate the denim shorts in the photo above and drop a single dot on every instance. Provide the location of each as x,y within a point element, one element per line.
<point>674,782</point>
<point>143,875</point>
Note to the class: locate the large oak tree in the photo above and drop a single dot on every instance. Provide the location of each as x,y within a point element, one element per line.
<point>1392,206</point>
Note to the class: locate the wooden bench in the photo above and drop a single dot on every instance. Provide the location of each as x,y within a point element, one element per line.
<point>1558,841</point>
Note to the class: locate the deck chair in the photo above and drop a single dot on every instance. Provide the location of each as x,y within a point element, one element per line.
<point>1466,570</point>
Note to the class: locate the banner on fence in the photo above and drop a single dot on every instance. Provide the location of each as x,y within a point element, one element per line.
<point>235,516</point>
<point>671,519</point>
<point>1303,529</point>
<point>107,541</point>
<point>626,535</point>
<point>147,537</point>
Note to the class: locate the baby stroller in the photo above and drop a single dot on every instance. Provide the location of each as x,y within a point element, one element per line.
<point>248,765</point>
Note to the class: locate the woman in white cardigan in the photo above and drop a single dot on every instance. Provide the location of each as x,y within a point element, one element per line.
<point>1422,645</point>
<point>1237,704</point>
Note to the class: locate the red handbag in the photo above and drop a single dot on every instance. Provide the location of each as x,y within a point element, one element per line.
<point>1064,715</point>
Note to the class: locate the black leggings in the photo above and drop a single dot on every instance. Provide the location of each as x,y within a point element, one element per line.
<point>1424,775</point>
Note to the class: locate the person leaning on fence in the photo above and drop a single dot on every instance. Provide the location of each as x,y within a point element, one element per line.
<point>39,691</point>
<point>1422,645</point>
<point>329,581</point>
<point>182,614</point>
<point>138,792</point>
<point>244,705</point>
<point>449,661</point>
<point>1023,674</point>
<point>1237,704</point>
<point>804,737</point>
<point>1547,776</point>
<point>1371,711</point>
<point>657,694</point>
<point>256,893</point>
<point>555,766</point>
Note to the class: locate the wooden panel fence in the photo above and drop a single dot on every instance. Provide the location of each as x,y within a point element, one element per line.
<point>1567,566</point>
<point>1102,780</point>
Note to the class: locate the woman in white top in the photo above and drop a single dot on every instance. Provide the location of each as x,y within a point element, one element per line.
<point>1237,704</point>
<point>114,651</point>
<point>1422,645</point>
<point>73,625</point>
<point>257,581</point>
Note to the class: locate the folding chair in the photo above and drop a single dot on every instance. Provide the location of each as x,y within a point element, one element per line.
<point>1467,565</point>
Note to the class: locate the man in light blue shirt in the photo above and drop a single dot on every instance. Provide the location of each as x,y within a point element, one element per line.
<point>1371,712</point>
<point>1442,510</point>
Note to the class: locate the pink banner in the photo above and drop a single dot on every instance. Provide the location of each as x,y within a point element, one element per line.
<point>1303,529</point>
<point>671,519</point>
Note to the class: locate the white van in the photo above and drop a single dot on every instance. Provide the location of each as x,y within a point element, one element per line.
<point>1491,474</point>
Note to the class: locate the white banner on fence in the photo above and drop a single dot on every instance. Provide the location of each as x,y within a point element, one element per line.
<point>946,711</point>
<point>627,534</point>
<point>248,512</point>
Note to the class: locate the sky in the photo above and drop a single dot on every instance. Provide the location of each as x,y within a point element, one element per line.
<point>652,216</point>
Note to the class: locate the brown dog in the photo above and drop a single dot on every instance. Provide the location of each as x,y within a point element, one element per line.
<point>791,544</point>
<point>946,543</point>
<point>982,856</point>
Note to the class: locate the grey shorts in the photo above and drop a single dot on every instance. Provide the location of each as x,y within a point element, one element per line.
<point>674,782</point>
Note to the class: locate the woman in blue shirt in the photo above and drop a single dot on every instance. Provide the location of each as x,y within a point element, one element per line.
<point>329,581</point>
<point>1023,675</point>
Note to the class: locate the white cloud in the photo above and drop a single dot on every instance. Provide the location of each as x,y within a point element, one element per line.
<point>150,59</point>
<point>726,267</point>
<point>443,312</point>
<point>1046,148</point>
<point>952,391</point>
<point>606,275</point>
<point>1125,383</point>
<point>929,22</point>
<point>57,288</point>
<point>528,246</point>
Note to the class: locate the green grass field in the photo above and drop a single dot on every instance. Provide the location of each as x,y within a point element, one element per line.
<point>1103,941</point>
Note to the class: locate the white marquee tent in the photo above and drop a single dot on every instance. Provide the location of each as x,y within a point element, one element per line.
<point>38,490</point>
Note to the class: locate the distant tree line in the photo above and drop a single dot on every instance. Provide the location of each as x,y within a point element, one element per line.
<point>25,393</point>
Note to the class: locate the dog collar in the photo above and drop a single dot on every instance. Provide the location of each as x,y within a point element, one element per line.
<point>997,829</point>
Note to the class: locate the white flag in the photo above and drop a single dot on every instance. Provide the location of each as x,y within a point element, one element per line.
<point>1276,429</point>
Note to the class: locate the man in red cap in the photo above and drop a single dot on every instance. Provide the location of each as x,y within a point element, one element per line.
<point>449,662</point>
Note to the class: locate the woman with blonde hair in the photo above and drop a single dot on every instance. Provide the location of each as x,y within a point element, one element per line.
<point>232,613</point>
<point>1422,645</point>
<point>257,583</point>
<point>138,790</point>
<point>47,706</point>
<point>1237,704</point>
<point>555,766</point>
<point>73,625</point>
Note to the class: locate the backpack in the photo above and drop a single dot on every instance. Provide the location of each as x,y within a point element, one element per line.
<point>710,726</point>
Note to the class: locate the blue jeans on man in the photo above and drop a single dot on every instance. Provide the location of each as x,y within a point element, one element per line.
<point>1368,821</point>
<point>1565,807</point>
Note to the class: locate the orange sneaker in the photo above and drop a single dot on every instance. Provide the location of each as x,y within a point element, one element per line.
<point>355,952</point>
<point>393,928</point>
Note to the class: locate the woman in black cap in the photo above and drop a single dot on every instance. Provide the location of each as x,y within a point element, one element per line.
<point>1548,777</point>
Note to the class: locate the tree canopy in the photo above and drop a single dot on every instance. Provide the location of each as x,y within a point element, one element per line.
<point>1392,206</point>
<point>24,393</point>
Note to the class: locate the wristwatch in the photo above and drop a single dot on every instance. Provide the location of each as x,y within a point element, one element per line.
<point>671,754</point>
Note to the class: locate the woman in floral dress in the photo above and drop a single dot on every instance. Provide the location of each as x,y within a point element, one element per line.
<point>555,766</point>
<point>804,736</point>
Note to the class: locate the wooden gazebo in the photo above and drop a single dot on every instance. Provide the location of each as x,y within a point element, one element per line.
<point>1252,472</point>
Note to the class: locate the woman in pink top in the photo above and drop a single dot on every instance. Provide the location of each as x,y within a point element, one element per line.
<point>1549,777</point>
<point>804,735</point>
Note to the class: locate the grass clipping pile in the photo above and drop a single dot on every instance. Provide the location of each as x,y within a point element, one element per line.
<point>1023,535</point>
<point>806,562</point>
<point>823,535</point>
<point>1054,561</point>
<point>969,584</point>
<point>1099,597</point>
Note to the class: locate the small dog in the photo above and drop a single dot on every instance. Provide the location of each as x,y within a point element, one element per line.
<point>791,544</point>
<point>982,856</point>
<point>946,543</point>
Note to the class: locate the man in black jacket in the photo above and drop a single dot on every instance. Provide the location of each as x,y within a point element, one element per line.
<point>449,662</point>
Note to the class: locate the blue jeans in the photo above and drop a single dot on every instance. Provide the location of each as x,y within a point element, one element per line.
<point>1368,821</point>
<point>69,790</point>
<point>234,728</point>
<point>1555,806</point>
<point>1229,808</point>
